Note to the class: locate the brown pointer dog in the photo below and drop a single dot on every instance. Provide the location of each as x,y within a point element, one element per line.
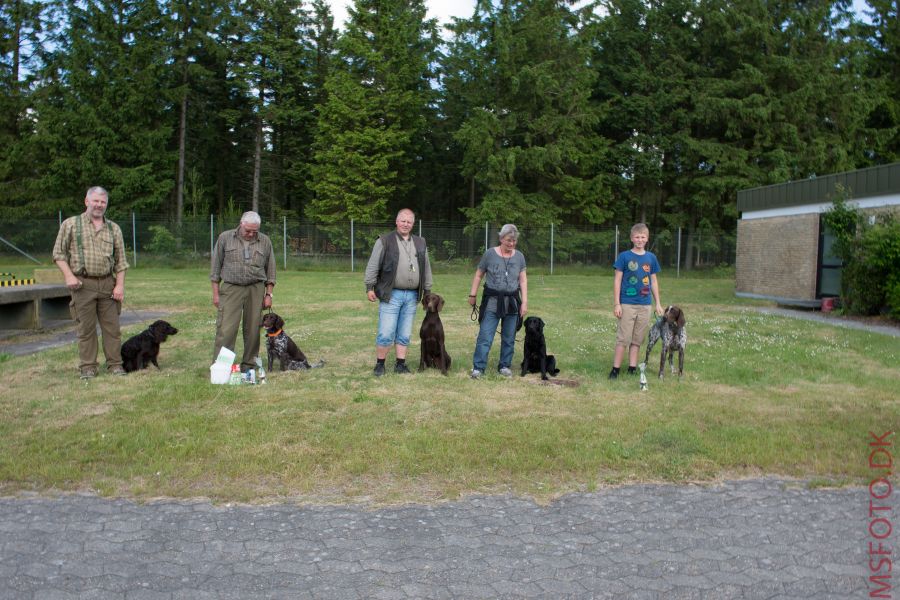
<point>432,335</point>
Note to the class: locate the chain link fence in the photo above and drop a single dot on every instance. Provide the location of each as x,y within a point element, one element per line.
<point>153,241</point>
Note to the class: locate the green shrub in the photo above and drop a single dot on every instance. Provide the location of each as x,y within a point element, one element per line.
<point>162,241</point>
<point>870,251</point>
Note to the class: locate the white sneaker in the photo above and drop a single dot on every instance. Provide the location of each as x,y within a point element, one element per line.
<point>505,372</point>
<point>476,374</point>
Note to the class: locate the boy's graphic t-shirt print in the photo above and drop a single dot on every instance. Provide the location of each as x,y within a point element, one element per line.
<point>636,271</point>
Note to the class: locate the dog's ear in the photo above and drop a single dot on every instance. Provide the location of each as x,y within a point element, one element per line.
<point>540,324</point>
<point>279,322</point>
<point>440,305</point>
<point>425,300</point>
<point>680,320</point>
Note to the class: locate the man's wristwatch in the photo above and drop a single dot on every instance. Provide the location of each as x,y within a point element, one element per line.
<point>269,294</point>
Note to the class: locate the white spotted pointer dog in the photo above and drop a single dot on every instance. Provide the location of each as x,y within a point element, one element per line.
<point>669,327</point>
<point>279,345</point>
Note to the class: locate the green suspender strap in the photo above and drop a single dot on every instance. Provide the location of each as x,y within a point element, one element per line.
<point>79,241</point>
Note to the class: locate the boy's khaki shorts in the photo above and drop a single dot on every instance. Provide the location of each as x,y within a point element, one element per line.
<point>632,329</point>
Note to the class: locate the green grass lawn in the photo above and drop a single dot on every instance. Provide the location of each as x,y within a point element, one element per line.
<point>760,395</point>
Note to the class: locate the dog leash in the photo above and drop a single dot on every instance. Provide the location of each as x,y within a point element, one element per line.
<point>134,312</point>
<point>474,317</point>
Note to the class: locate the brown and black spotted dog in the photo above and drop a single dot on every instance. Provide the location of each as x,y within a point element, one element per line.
<point>669,327</point>
<point>279,345</point>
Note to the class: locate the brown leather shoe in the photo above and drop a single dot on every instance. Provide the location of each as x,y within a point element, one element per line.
<point>88,373</point>
<point>117,371</point>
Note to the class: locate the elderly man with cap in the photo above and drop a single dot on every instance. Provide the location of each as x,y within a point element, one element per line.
<point>243,276</point>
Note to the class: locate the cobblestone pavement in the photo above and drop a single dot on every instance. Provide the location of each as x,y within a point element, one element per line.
<point>762,538</point>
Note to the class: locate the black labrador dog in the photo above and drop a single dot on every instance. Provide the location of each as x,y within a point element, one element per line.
<point>434,354</point>
<point>536,359</point>
<point>279,345</point>
<point>141,350</point>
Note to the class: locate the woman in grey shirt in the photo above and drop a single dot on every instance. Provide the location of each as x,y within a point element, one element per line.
<point>504,300</point>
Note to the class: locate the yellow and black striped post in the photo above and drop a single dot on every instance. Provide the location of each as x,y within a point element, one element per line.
<point>13,281</point>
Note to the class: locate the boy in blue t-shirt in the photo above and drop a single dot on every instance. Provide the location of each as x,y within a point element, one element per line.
<point>634,282</point>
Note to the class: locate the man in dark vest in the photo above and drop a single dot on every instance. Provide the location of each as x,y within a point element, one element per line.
<point>398,275</point>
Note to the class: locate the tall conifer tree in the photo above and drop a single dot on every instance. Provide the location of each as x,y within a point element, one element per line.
<point>24,26</point>
<point>529,138</point>
<point>373,121</point>
<point>101,119</point>
<point>884,70</point>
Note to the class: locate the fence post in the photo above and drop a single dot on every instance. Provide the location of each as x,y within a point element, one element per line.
<point>616,253</point>
<point>678,259</point>
<point>284,240</point>
<point>212,230</point>
<point>485,236</point>
<point>352,249</point>
<point>551,248</point>
<point>133,239</point>
<point>420,228</point>
<point>60,218</point>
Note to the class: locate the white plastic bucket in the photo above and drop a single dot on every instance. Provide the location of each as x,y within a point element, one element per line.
<point>226,356</point>
<point>220,373</point>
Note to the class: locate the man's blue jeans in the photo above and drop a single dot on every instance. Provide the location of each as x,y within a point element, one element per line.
<point>486,338</point>
<point>395,318</point>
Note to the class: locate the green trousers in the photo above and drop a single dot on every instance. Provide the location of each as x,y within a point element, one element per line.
<point>91,304</point>
<point>236,301</point>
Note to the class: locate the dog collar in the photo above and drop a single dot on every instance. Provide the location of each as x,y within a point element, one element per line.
<point>276,334</point>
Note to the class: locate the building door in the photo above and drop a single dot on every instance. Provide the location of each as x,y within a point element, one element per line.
<point>828,275</point>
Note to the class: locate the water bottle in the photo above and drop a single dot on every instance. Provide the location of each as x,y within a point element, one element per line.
<point>262,372</point>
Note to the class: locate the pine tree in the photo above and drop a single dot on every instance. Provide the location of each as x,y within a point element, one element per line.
<point>321,38</point>
<point>372,125</point>
<point>24,26</point>
<point>529,139</point>
<point>101,118</point>
<point>884,72</point>
<point>192,31</point>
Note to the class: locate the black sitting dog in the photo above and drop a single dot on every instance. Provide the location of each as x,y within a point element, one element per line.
<point>279,345</point>
<point>434,354</point>
<point>141,350</point>
<point>536,359</point>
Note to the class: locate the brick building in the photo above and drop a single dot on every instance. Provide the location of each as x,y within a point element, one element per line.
<point>783,247</point>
